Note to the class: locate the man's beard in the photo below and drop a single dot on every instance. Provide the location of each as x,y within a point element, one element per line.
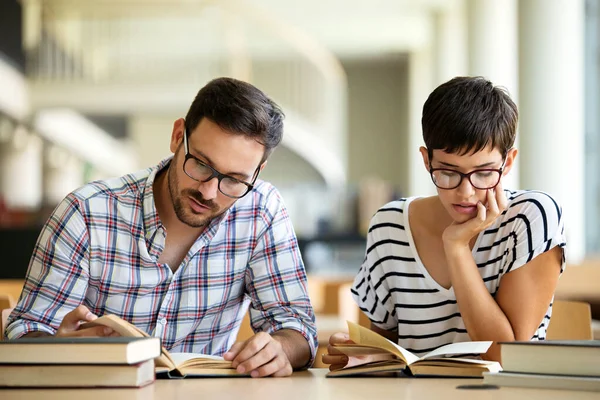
<point>177,198</point>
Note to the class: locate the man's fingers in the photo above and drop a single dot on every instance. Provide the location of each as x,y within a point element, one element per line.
<point>96,331</point>
<point>251,347</point>
<point>261,357</point>
<point>233,351</point>
<point>278,367</point>
<point>72,320</point>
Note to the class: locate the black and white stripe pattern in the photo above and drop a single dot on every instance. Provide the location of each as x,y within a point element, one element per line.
<point>395,290</point>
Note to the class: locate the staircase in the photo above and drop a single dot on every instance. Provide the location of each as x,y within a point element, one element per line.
<point>150,57</point>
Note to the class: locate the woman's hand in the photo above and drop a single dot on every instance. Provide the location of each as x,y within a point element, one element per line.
<point>335,358</point>
<point>461,234</point>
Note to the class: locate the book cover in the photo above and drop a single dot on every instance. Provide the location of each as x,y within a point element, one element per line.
<point>542,381</point>
<point>56,375</point>
<point>559,357</point>
<point>84,350</point>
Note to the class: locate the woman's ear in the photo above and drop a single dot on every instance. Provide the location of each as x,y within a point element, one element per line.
<point>425,156</point>
<point>509,161</point>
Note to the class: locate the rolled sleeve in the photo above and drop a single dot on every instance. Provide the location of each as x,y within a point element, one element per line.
<point>57,276</point>
<point>276,279</point>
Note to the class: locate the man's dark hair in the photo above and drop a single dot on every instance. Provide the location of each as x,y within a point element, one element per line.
<point>467,114</point>
<point>239,108</point>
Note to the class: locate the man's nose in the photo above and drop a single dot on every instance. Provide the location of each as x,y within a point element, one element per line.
<point>209,189</point>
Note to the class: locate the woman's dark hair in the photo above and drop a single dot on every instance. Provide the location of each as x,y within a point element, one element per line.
<point>467,114</point>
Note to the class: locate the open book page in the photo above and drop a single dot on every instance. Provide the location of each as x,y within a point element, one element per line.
<point>126,329</point>
<point>455,361</point>
<point>366,337</point>
<point>370,359</point>
<point>118,325</point>
<point>458,348</point>
<point>186,360</point>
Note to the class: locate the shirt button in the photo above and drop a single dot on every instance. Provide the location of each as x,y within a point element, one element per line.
<point>162,321</point>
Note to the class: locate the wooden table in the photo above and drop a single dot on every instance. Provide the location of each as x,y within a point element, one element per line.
<point>305,385</point>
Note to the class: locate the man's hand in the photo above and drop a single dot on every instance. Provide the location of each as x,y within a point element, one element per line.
<point>261,355</point>
<point>461,234</point>
<point>69,327</point>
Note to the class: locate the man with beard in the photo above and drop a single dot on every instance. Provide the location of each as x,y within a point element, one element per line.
<point>183,248</point>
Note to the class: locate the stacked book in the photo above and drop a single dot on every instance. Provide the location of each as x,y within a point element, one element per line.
<point>550,364</point>
<point>78,362</point>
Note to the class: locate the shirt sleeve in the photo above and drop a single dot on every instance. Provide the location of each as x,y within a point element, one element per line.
<point>370,289</point>
<point>538,228</point>
<point>57,276</point>
<point>276,278</point>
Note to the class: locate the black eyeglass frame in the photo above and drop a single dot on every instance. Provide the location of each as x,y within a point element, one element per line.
<point>467,175</point>
<point>215,173</point>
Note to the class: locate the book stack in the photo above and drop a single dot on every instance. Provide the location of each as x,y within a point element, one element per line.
<point>78,362</point>
<point>550,364</point>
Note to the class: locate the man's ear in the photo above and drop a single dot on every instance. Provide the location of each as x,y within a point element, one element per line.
<point>425,156</point>
<point>177,134</point>
<point>510,159</point>
<point>262,166</point>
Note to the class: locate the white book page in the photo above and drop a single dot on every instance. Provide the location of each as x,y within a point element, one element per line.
<point>180,358</point>
<point>459,348</point>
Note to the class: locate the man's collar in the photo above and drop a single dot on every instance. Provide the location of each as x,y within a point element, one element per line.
<point>151,219</point>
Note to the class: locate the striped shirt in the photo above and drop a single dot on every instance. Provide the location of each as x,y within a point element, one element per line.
<point>101,247</point>
<point>395,290</point>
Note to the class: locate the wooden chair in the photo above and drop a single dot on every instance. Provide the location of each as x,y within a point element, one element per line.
<point>348,309</point>
<point>12,287</point>
<point>245,331</point>
<point>571,320</point>
<point>6,301</point>
<point>3,319</point>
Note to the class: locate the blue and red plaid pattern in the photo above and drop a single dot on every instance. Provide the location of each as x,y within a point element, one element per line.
<point>101,245</point>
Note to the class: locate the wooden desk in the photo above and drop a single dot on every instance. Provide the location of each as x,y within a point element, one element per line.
<point>306,385</point>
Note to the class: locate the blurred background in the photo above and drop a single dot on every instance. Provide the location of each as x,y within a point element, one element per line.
<point>90,89</point>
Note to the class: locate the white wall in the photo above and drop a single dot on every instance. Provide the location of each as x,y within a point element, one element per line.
<point>152,135</point>
<point>378,120</point>
<point>14,97</point>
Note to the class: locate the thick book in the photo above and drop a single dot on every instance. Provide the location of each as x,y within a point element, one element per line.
<point>56,375</point>
<point>379,354</point>
<point>91,350</point>
<point>542,381</point>
<point>172,365</point>
<point>559,357</point>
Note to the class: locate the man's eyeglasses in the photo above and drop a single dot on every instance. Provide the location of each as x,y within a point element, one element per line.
<point>486,178</point>
<point>202,172</point>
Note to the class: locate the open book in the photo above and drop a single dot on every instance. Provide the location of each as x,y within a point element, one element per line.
<point>170,364</point>
<point>372,352</point>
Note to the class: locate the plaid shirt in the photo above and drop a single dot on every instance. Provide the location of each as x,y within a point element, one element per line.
<point>101,248</point>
